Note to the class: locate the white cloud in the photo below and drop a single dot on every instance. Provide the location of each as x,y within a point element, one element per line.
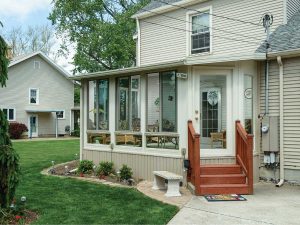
<point>22,8</point>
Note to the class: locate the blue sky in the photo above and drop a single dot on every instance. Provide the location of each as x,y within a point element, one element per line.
<point>23,13</point>
<point>14,13</point>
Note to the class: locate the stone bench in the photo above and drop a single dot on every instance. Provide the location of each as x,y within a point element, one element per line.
<point>173,182</point>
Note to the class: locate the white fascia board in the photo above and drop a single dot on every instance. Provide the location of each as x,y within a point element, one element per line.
<point>223,58</point>
<point>166,8</point>
<point>285,54</point>
<point>130,70</point>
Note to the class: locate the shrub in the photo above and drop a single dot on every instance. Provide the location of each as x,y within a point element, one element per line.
<point>125,172</point>
<point>105,168</point>
<point>16,130</point>
<point>67,129</point>
<point>85,166</point>
<point>75,133</point>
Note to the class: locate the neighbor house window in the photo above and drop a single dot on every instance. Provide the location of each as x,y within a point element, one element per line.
<point>60,115</point>
<point>33,96</point>
<point>200,35</point>
<point>10,114</point>
<point>161,110</point>
<point>36,64</point>
<point>128,104</point>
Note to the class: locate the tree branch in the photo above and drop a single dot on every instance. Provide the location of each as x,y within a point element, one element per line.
<point>97,60</point>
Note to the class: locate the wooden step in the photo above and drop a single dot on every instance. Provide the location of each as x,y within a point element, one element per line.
<point>223,179</point>
<point>224,189</point>
<point>214,169</point>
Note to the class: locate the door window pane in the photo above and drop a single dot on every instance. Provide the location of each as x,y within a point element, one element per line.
<point>213,112</point>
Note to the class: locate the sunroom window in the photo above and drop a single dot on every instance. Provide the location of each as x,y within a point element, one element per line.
<point>98,110</point>
<point>128,111</point>
<point>161,110</point>
<point>200,36</point>
<point>128,103</point>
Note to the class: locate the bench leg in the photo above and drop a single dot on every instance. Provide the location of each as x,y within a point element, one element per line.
<point>173,188</point>
<point>159,183</point>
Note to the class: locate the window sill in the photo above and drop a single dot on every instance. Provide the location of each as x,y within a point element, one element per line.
<point>200,54</point>
<point>135,150</point>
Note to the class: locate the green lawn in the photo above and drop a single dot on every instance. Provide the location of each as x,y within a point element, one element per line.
<point>69,201</point>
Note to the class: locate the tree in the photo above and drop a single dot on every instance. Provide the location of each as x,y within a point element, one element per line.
<point>32,39</point>
<point>101,29</point>
<point>9,159</point>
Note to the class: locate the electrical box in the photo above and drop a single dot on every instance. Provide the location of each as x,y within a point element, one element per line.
<point>270,134</point>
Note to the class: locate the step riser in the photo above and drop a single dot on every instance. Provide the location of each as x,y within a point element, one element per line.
<point>219,190</point>
<point>223,180</point>
<point>220,170</point>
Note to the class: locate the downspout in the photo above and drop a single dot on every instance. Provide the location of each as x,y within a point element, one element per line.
<point>281,181</point>
<point>267,86</point>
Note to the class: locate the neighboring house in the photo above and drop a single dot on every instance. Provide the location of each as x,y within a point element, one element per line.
<point>197,62</point>
<point>39,94</point>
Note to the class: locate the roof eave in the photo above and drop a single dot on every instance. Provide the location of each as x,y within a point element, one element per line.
<point>165,8</point>
<point>285,53</point>
<point>130,70</point>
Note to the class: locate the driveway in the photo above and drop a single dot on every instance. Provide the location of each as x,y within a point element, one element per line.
<point>268,205</point>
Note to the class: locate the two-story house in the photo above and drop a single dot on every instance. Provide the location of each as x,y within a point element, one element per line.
<point>38,94</point>
<point>197,71</point>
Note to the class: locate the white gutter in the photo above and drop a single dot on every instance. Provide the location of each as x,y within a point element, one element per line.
<point>281,182</point>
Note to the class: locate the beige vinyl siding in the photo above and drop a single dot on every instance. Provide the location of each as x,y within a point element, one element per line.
<point>291,107</point>
<point>162,44</point>
<point>292,7</point>
<point>273,89</point>
<point>291,104</point>
<point>142,165</point>
<point>273,95</point>
<point>55,92</point>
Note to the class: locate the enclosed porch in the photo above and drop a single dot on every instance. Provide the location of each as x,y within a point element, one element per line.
<point>138,116</point>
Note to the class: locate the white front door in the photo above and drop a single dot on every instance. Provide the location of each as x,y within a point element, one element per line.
<point>33,126</point>
<point>213,109</point>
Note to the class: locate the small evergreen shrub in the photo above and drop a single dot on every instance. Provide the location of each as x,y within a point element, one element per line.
<point>85,167</point>
<point>75,133</point>
<point>105,168</point>
<point>16,130</point>
<point>125,172</point>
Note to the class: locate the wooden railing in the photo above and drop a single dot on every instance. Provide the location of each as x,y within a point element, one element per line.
<point>244,153</point>
<point>194,157</point>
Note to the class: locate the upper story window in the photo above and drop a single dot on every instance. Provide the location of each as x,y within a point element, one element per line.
<point>200,35</point>
<point>10,114</point>
<point>60,114</point>
<point>128,104</point>
<point>33,96</point>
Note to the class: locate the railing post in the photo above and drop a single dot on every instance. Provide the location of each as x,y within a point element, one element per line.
<point>236,140</point>
<point>197,163</point>
<point>250,162</point>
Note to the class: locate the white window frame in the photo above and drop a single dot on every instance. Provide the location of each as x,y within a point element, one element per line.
<point>37,96</point>
<point>14,114</point>
<point>64,115</point>
<point>189,16</point>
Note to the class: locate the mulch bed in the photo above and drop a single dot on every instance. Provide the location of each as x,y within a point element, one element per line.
<point>60,170</point>
<point>27,218</point>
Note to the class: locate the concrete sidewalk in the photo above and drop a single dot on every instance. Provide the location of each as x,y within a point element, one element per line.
<point>268,205</point>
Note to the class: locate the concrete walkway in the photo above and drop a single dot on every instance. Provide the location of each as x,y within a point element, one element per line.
<point>268,205</point>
